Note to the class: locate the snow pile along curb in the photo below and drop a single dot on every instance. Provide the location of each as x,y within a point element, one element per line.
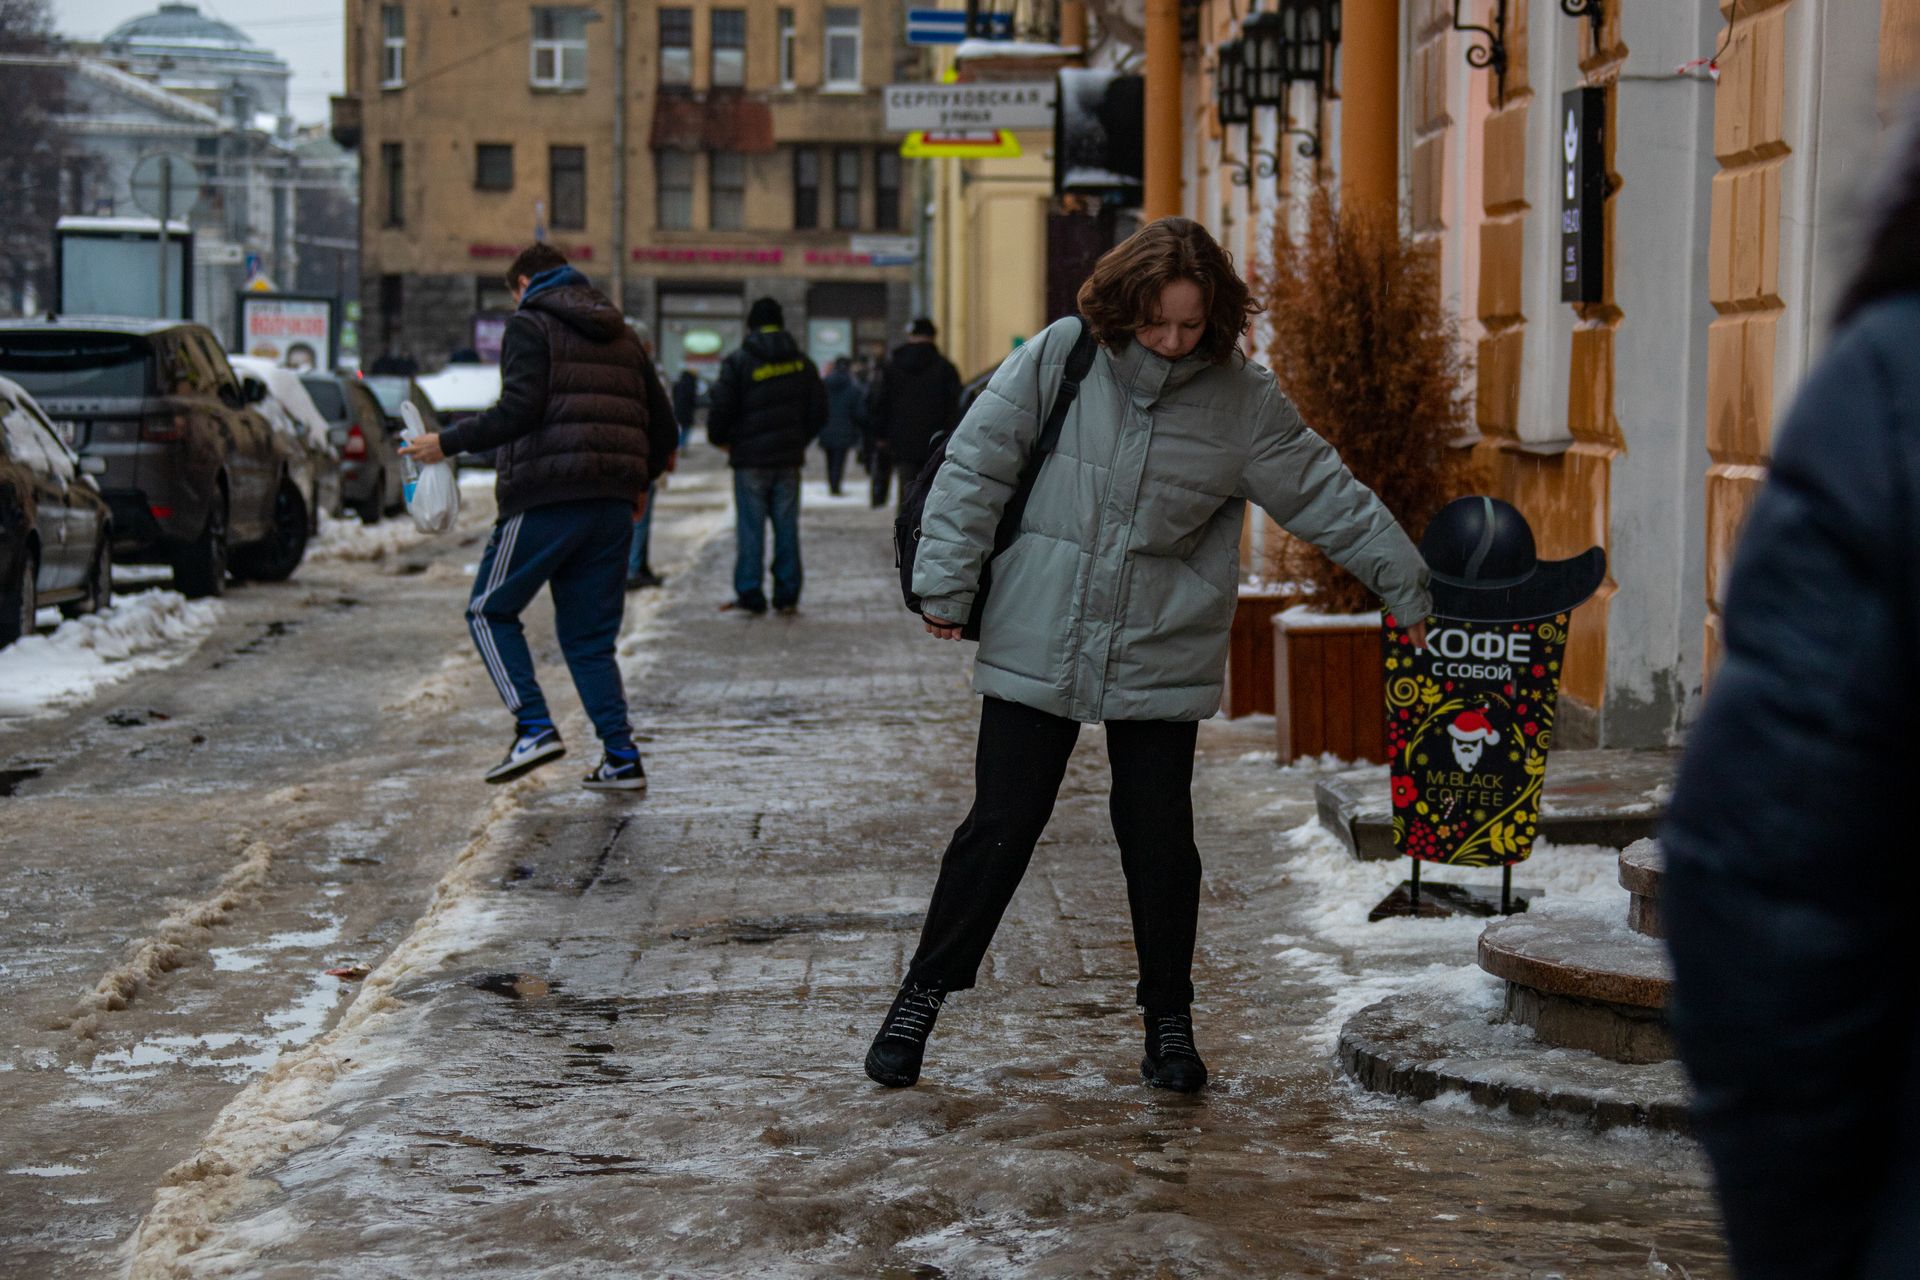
<point>40,674</point>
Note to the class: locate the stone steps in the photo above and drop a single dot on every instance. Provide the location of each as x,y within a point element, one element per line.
<point>1611,798</point>
<point>1583,983</point>
<point>1642,869</point>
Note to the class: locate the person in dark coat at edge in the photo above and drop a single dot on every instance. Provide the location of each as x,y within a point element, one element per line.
<point>846,406</point>
<point>914,398</point>
<point>1790,888</point>
<point>583,428</point>
<point>640,574</point>
<point>767,406</point>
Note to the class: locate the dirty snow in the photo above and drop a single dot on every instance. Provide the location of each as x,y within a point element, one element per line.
<point>349,539</point>
<point>41,674</point>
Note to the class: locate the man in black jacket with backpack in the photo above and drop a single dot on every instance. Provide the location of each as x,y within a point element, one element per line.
<point>583,428</point>
<point>767,406</point>
<point>913,400</point>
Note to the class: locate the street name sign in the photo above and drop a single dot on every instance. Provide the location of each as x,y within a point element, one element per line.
<point>969,108</point>
<point>949,26</point>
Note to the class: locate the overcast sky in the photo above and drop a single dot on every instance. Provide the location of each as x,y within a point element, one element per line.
<point>309,34</point>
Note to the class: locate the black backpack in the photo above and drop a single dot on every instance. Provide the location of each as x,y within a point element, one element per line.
<point>906,526</point>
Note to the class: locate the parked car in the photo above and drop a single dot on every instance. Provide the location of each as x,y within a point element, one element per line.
<point>370,473</point>
<point>290,410</point>
<point>56,533</point>
<point>194,476</point>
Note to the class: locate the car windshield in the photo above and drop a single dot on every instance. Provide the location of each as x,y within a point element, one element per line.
<point>328,397</point>
<point>391,391</point>
<point>64,363</point>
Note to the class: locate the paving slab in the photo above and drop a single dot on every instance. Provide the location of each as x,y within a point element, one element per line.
<point>1611,798</point>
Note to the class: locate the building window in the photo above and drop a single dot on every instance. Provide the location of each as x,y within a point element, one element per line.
<point>726,190</point>
<point>559,54</point>
<point>806,188</point>
<point>673,175</point>
<point>393,173</point>
<point>393,46</point>
<point>567,187</point>
<point>843,48</point>
<point>886,189</point>
<point>493,166</point>
<point>789,40</point>
<point>729,48</point>
<point>846,189</point>
<point>676,48</point>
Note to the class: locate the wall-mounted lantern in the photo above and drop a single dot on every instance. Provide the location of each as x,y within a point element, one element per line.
<point>1303,25</point>
<point>1264,45</point>
<point>1230,84</point>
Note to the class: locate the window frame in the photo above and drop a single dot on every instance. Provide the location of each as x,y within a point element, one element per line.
<point>559,47</point>
<point>554,153</point>
<point>841,191</point>
<point>480,151</point>
<point>682,78</point>
<point>787,48</point>
<point>841,30</point>
<point>737,64</point>
<point>661,190</point>
<point>733,191</point>
<point>393,46</point>
<point>806,196</point>
<point>886,213</point>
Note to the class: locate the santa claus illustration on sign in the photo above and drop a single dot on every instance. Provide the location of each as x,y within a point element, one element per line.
<point>1472,734</point>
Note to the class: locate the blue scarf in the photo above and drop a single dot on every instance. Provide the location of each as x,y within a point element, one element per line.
<point>551,278</point>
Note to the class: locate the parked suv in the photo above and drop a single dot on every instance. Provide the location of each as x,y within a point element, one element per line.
<point>194,476</point>
<point>56,538</point>
<point>370,473</point>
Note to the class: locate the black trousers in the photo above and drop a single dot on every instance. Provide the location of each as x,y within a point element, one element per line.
<point>836,468</point>
<point>1021,759</point>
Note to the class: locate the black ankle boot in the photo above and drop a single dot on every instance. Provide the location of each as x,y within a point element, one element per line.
<point>1172,1062</point>
<point>895,1056</point>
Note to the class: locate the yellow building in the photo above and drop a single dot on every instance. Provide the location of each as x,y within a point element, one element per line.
<point>689,157</point>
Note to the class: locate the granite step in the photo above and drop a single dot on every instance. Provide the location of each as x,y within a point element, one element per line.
<point>1427,1042</point>
<point>1642,868</point>
<point>1583,983</point>
<point>1611,798</point>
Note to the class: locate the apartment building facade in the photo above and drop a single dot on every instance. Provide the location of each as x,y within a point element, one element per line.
<point>688,157</point>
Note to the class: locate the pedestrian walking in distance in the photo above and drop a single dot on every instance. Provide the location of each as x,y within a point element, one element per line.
<point>640,574</point>
<point>845,408</point>
<point>913,400</point>
<point>1114,601</point>
<point>583,428</point>
<point>1790,884</point>
<point>768,404</point>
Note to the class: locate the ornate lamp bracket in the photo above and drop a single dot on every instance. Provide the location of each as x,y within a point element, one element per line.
<point>1588,9</point>
<point>1309,148</point>
<point>1492,54</point>
<point>1265,166</point>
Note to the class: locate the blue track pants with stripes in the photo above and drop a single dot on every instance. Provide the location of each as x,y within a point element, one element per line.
<point>578,550</point>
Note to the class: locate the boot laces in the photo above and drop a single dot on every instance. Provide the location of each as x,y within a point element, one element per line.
<point>1175,1034</point>
<point>913,1014</point>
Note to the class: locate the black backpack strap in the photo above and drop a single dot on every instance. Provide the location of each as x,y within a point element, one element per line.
<point>1079,363</point>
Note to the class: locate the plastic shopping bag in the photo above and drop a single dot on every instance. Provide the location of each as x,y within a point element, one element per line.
<point>432,491</point>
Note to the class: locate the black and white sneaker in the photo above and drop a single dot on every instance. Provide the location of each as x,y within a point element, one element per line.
<point>529,751</point>
<point>615,774</point>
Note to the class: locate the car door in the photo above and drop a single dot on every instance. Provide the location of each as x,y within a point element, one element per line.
<point>28,450</point>
<point>80,516</point>
<point>252,463</point>
<point>372,421</point>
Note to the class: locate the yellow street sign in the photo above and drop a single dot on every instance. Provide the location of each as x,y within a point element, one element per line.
<point>996,145</point>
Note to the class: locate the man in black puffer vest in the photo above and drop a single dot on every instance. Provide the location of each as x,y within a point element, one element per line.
<point>583,427</point>
<point>768,404</point>
<point>913,400</point>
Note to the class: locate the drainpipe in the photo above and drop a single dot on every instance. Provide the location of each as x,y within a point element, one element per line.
<point>620,156</point>
<point>1163,109</point>
<point>1073,24</point>
<point>1370,102</point>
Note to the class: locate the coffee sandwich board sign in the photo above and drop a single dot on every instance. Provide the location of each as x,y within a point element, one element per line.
<point>1470,718</point>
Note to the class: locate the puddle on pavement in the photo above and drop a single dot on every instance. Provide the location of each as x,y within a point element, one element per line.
<point>269,632</point>
<point>10,779</point>
<point>514,986</point>
<point>771,928</point>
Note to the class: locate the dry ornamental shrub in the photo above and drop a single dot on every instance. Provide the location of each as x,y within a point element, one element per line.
<point>1365,347</point>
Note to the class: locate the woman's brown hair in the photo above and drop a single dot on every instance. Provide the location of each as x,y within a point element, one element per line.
<point>1124,289</point>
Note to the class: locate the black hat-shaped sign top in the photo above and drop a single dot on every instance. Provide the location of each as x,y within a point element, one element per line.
<point>1480,553</point>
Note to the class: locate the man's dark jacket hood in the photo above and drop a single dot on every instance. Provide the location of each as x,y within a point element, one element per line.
<point>582,415</point>
<point>768,403</point>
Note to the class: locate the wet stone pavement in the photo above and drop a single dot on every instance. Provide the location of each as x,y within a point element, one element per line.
<point>624,1038</point>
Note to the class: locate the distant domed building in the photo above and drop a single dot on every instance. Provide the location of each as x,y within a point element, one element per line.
<point>203,59</point>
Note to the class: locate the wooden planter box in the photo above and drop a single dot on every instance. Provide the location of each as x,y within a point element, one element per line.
<point>1250,653</point>
<point>1330,689</point>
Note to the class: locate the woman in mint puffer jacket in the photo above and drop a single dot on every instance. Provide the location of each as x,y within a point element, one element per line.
<point>1115,601</point>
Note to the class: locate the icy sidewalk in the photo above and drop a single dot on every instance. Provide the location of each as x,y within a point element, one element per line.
<point>627,1038</point>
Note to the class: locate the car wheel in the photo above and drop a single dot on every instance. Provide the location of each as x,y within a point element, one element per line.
<point>99,585</point>
<point>19,603</point>
<point>372,507</point>
<point>200,568</point>
<point>275,559</point>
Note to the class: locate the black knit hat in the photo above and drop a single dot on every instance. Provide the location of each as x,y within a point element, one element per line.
<point>922,327</point>
<point>765,313</point>
<point>1484,568</point>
